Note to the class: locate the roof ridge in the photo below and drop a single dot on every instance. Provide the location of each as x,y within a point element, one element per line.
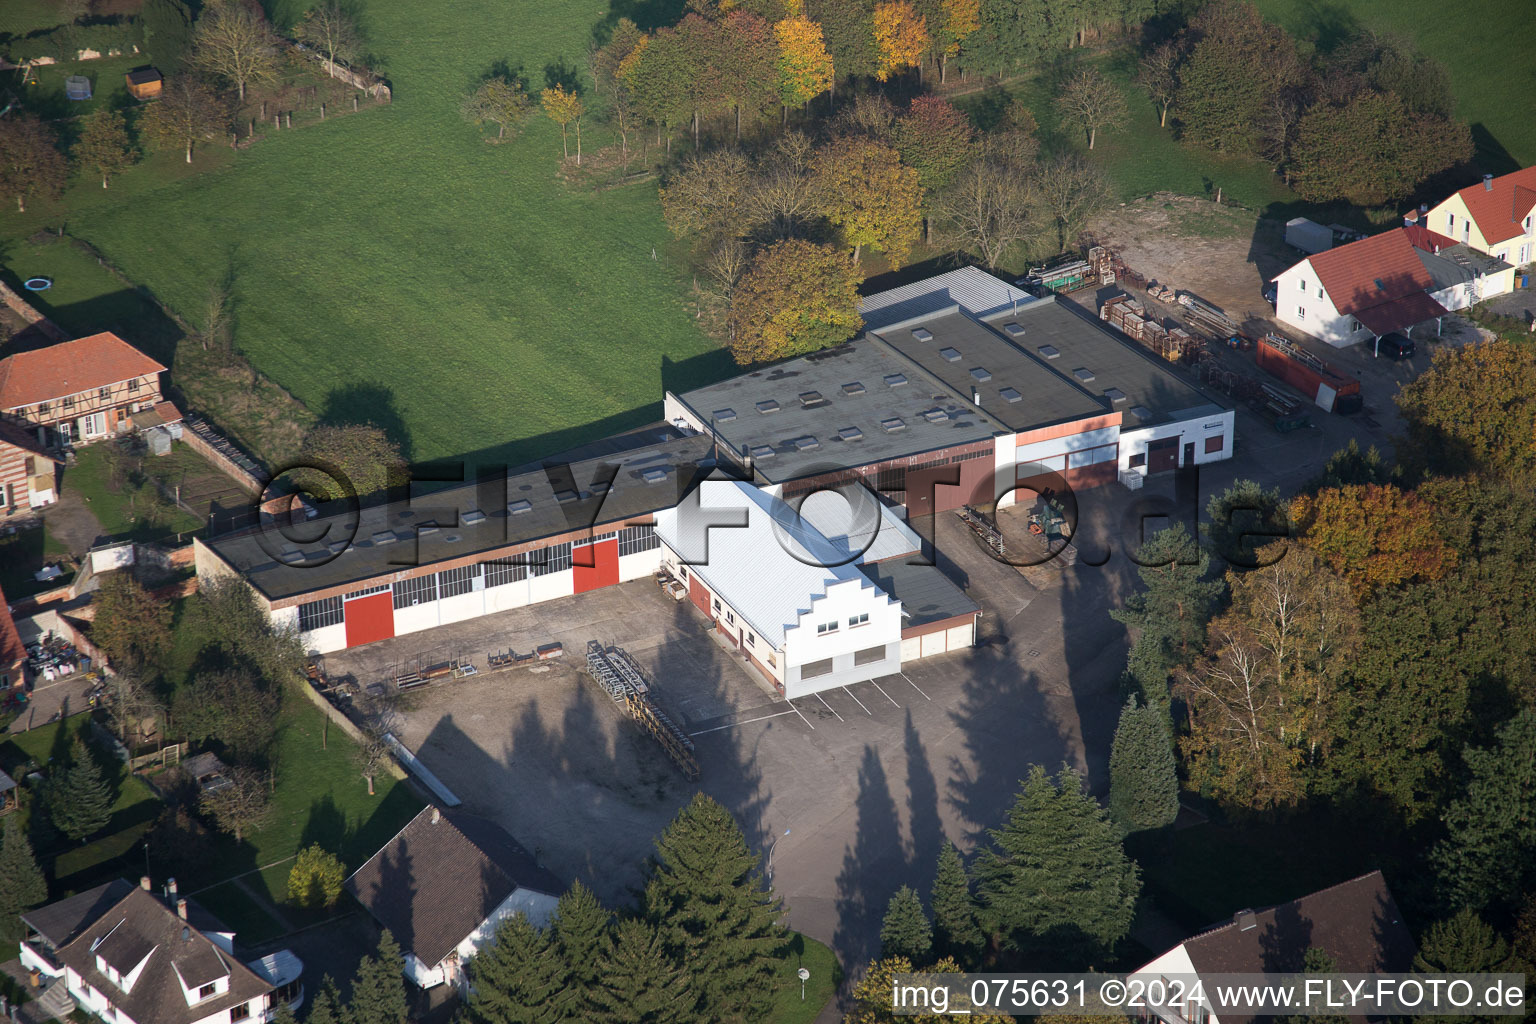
<point>1230,923</point>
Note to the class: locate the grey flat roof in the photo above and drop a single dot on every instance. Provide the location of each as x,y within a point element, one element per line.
<point>1084,344</point>
<point>925,593</point>
<point>732,406</point>
<point>969,287</point>
<point>647,479</point>
<point>959,345</point>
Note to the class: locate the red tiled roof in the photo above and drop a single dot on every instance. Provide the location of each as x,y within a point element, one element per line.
<point>1499,210</point>
<point>69,368</point>
<point>168,411</point>
<point>1399,313</point>
<point>1372,271</point>
<point>1427,240</point>
<point>12,651</point>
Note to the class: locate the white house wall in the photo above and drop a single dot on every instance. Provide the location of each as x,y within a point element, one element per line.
<point>1217,423</point>
<point>639,565</point>
<point>843,600</point>
<point>1174,963</point>
<point>536,906</point>
<point>1322,321</point>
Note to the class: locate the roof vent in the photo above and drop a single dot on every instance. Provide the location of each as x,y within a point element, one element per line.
<point>951,354</point>
<point>850,433</point>
<point>1379,286</point>
<point>472,517</point>
<point>811,399</point>
<point>922,334</point>
<point>336,547</point>
<point>895,380</point>
<point>762,451</point>
<point>1114,394</point>
<point>935,415</point>
<point>1246,920</point>
<point>767,406</point>
<point>1014,328</point>
<point>1010,394</point>
<point>981,374</point>
<point>384,537</point>
<point>853,388</point>
<point>519,507</point>
<point>807,443</point>
<point>451,538</point>
<point>655,475</point>
<point>724,415</point>
<point>893,424</point>
<point>1083,374</point>
<point>1049,351</point>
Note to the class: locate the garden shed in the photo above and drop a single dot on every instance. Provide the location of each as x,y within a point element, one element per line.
<point>144,83</point>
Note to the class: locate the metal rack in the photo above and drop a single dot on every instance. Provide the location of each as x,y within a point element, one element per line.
<point>982,525</point>
<point>616,672</point>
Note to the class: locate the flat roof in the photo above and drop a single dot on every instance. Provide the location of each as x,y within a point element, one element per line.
<point>1018,387</point>
<point>490,514</point>
<point>1153,394</point>
<point>925,593</point>
<point>969,287</point>
<point>855,404</point>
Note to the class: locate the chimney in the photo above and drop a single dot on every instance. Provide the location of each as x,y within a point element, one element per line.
<point>181,909</point>
<point>1487,183</point>
<point>170,886</point>
<point>437,815</point>
<point>1245,920</point>
<point>144,883</point>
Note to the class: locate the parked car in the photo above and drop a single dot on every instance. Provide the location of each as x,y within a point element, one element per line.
<point>1271,293</point>
<point>1395,346</point>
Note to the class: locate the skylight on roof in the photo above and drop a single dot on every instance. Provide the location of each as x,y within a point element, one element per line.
<point>951,354</point>
<point>1141,412</point>
<point>762,451</point>
<point>1114,394</point>
<point>853,388</point>
<point>850,433</point>
<point>895,380</point>
<point>472,517</point>
<point>564,496</point>
<point>1083,374</point>
<point>767,405</point>
<point>724,415</point>
<point>1010,394</point>
<point>935,415</point>
<point>808,443</point>
<point>655,475</point>
<point>384,537</point>
<point>922,334</point>
<point>1014,328</point>
<point>519,506</point>
<point>336,547</point>
<point>980,374</point>
<point>1049,351</point>
<point>893,424</point>
<point>811,399</point>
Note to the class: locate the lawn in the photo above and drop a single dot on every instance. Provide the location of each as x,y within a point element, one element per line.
<point>393,265</point>
<point>826,973</point>
<point>126,509</point>
<point>23,553</point>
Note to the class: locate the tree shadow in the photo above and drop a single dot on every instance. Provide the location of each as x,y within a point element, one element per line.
<point>326,826</point>
<point>513,73</point>
<point>559,73</point>
<point>370,403</point>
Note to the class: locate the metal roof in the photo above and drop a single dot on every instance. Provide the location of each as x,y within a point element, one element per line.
<point>889,387</point>
<point>489,514</point>
<point>969,287</point>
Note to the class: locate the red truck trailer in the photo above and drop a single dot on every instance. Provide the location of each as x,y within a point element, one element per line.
<point>1323,385</point>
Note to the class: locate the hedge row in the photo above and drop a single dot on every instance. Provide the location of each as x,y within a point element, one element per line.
<point>66,41</point>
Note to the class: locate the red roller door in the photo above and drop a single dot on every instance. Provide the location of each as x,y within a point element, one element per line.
<point>699,595</point>
<point>370,618</point>
<point>596,565</point>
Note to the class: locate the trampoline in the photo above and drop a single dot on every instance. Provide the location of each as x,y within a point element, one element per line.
<point>77,87</point>
<point>37,284</point>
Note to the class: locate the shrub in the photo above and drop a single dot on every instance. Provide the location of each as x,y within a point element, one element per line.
<point>316,878</point>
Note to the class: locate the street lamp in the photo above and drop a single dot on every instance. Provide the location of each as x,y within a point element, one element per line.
<point>805,976</point>
<point>770,854</point>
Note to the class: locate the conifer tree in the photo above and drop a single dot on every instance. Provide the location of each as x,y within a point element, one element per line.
<point>906,930</point>
<point>1143,776</point>
<point>954,909</point>
<point>378,994</point>
<point>1484,858</point>
<point>22,885</point>
<point>580,934</point>
<point>79,801</point>
<point>1055,882</point>
<point>639,983</point>
<point>325,1007</point>
<point>1171,614</point>
<point>715,914</point>
<point>520,978</point>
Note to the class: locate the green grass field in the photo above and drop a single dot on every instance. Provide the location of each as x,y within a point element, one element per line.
<point>394,265</point>
<point>129,509</point>
<point>826,973</point>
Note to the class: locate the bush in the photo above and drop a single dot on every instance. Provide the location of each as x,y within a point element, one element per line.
<point>316,878</point>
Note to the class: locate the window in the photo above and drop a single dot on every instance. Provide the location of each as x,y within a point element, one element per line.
<point>826,628</point>
<point>812,669</point>
<point>717,604</point>
<point>319,614</point>
<point>421,590</point>
<point>42,408</point>
<point>94,425</point>
<point>205,992</point>
<point>240,1012</point>
<point>1319,291</point>
<point>635,539</point>
<point>453,582</point>
<point>751,640</point>
<point>869,655</point>
<point>1215,444</point>
<point>499,574</point>
<point>1138,461</point>
<point>105,394</point>
<point>861,619</point>
<point>1303,286</point>
<point>1450,223</point>
<point>730,618</point>
<point>1301,312</point>
<point>555,558</point>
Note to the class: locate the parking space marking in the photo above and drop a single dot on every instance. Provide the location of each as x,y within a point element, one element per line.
<point>916,687</point>
<point>792,710</point>
<point>860,703</point>
<point>829,707</point>
<point>807,721</point>
<point>882,692</point>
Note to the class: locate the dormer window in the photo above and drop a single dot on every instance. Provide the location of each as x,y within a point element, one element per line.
<point>206,992</point>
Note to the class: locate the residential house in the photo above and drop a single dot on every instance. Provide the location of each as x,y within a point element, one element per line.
<point>1356,923</point>
<point>1496,216</point>
<point>28,470</point>
<point>80,391</point>
<point>1389,282</point>
<point>128,955</point>
<point>443,884</point>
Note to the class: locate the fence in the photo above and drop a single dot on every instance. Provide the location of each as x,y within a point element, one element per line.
<point>367,81</point>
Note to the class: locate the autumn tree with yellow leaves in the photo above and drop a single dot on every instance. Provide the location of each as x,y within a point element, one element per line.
<point>1374,535</point>
<point>564,108</point>
<point>871,195</point>
<point>901,37</point>
<point>960,19</point>
<point>805,66</point>
<point>796,297</point>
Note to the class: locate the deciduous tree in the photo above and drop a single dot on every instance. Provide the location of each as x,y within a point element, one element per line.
<point>331,27</point>
<point>901,37</point>
<point>905,931</point>
<point>500,102</point>
<point>872,1003</point>
<point>1069,191</point>
<point>747,60</point>
<point>847,26</point>
<point>605,64</point>
<point>805,66</point>
<point>871,195</point>
<point>1236,62</point>
<point>1374,535</point>
<point>1370,149</point>
<point>132,627</point>
<point>1091,101</point>
<point>959,21</point>
<point>225,615</point>
<point>1244,518</point>
<point>564,108</point>
<point>1158,73</point>
<point>188,111</point>
<point>234,41</point>
<point>316,878</point>
<point>935,139</point>
<point>987,210</point>
<point>783,193</point>
<point>242,806</point>
<point>167,33</point>
<point>1055,882</point>
<point>31,166</point>
<point>234,706</point>
<point>103,147</point>
<point>795,297</point>
<point>361,455</point>
<point>708,196</point>
<point>1143,776</point>
<point>1474,410</point>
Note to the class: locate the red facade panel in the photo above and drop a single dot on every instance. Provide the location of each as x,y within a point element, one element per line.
<point>595,565</point>
<point>698,593</point>
<point>370,618</point>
